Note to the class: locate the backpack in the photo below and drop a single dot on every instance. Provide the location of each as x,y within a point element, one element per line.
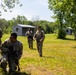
<point>30,35</point>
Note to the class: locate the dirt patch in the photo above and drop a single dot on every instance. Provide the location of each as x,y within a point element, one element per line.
<point>33,70</point>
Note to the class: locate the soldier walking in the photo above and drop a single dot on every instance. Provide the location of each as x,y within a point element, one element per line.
<point>39,36</point>
<point>29,34</point>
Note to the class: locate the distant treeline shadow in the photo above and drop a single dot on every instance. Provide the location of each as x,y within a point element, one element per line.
<point>16,73</point>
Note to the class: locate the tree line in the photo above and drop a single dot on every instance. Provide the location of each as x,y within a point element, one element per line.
<point>64,15</point>
<point>6,26</point>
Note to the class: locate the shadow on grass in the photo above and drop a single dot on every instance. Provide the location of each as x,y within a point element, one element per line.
<point>74,46</point>
<point>48,57</point>
<point>33,49</point>
<point>16,73</point>
<point>68,39</point>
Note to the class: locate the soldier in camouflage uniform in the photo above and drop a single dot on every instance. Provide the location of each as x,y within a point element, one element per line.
<point>11,53</point>
<point>29,35</point>
<point>0,36</point>
<point>39,36</point>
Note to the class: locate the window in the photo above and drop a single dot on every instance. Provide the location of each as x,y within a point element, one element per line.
<point>17,29</point>
<point>66,30</point>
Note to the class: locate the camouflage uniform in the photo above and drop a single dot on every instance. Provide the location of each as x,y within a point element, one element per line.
<point>29,34</point>
<point>39,35</point>
<point>0,36</point>
<point>8,56</point>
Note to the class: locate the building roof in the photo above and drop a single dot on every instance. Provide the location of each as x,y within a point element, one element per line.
<point>30,26</point>
<point>69,28</point>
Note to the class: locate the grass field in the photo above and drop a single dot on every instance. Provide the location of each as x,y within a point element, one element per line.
<point>59,57</point>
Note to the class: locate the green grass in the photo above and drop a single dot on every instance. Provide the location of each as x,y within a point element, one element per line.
<point>59,57</point>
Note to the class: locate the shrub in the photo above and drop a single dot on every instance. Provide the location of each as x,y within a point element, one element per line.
<point>61,34</point>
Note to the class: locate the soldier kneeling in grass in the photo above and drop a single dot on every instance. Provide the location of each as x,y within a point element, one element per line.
<point>11,53</point>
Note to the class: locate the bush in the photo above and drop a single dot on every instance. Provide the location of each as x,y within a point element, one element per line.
<point>61,34</point>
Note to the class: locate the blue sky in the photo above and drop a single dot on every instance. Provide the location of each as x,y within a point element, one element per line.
<point>32,10</point>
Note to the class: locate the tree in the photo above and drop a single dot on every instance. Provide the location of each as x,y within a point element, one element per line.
<point>48,27</point>
<point>21,19</point>
<point>5,5</point>
<point>58,7</point>
<point>67,10</point>
<point>8,4</point>
<point>3,25</point>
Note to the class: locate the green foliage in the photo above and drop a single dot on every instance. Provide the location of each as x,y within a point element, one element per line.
<point>61,34</point>
<point>21,19</point>
<point>48,27</point>
<point>8,4</point>
<point>28,22</point>
<point>68,10</point>
<point>58,8</point>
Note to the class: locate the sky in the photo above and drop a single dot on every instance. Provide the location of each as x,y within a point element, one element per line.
<point>32,10</point>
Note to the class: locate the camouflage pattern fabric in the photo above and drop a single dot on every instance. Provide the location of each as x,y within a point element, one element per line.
<point>18,47</point>
<point>30,39</point>
<point>39,35</point>
<point>0,36</point>
<point>0,41</point>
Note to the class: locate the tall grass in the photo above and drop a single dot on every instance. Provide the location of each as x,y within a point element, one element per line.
<point>59,56</point>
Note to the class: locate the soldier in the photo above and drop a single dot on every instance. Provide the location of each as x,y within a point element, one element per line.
<point>29,34</point>
<point>13,52</point>
<point>0,36</point>
<point>39,36</point>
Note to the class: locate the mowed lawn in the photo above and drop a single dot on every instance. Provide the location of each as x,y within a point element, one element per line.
<point>59,57</point>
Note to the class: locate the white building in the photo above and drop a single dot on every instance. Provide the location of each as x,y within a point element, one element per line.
<point>21,29</point>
